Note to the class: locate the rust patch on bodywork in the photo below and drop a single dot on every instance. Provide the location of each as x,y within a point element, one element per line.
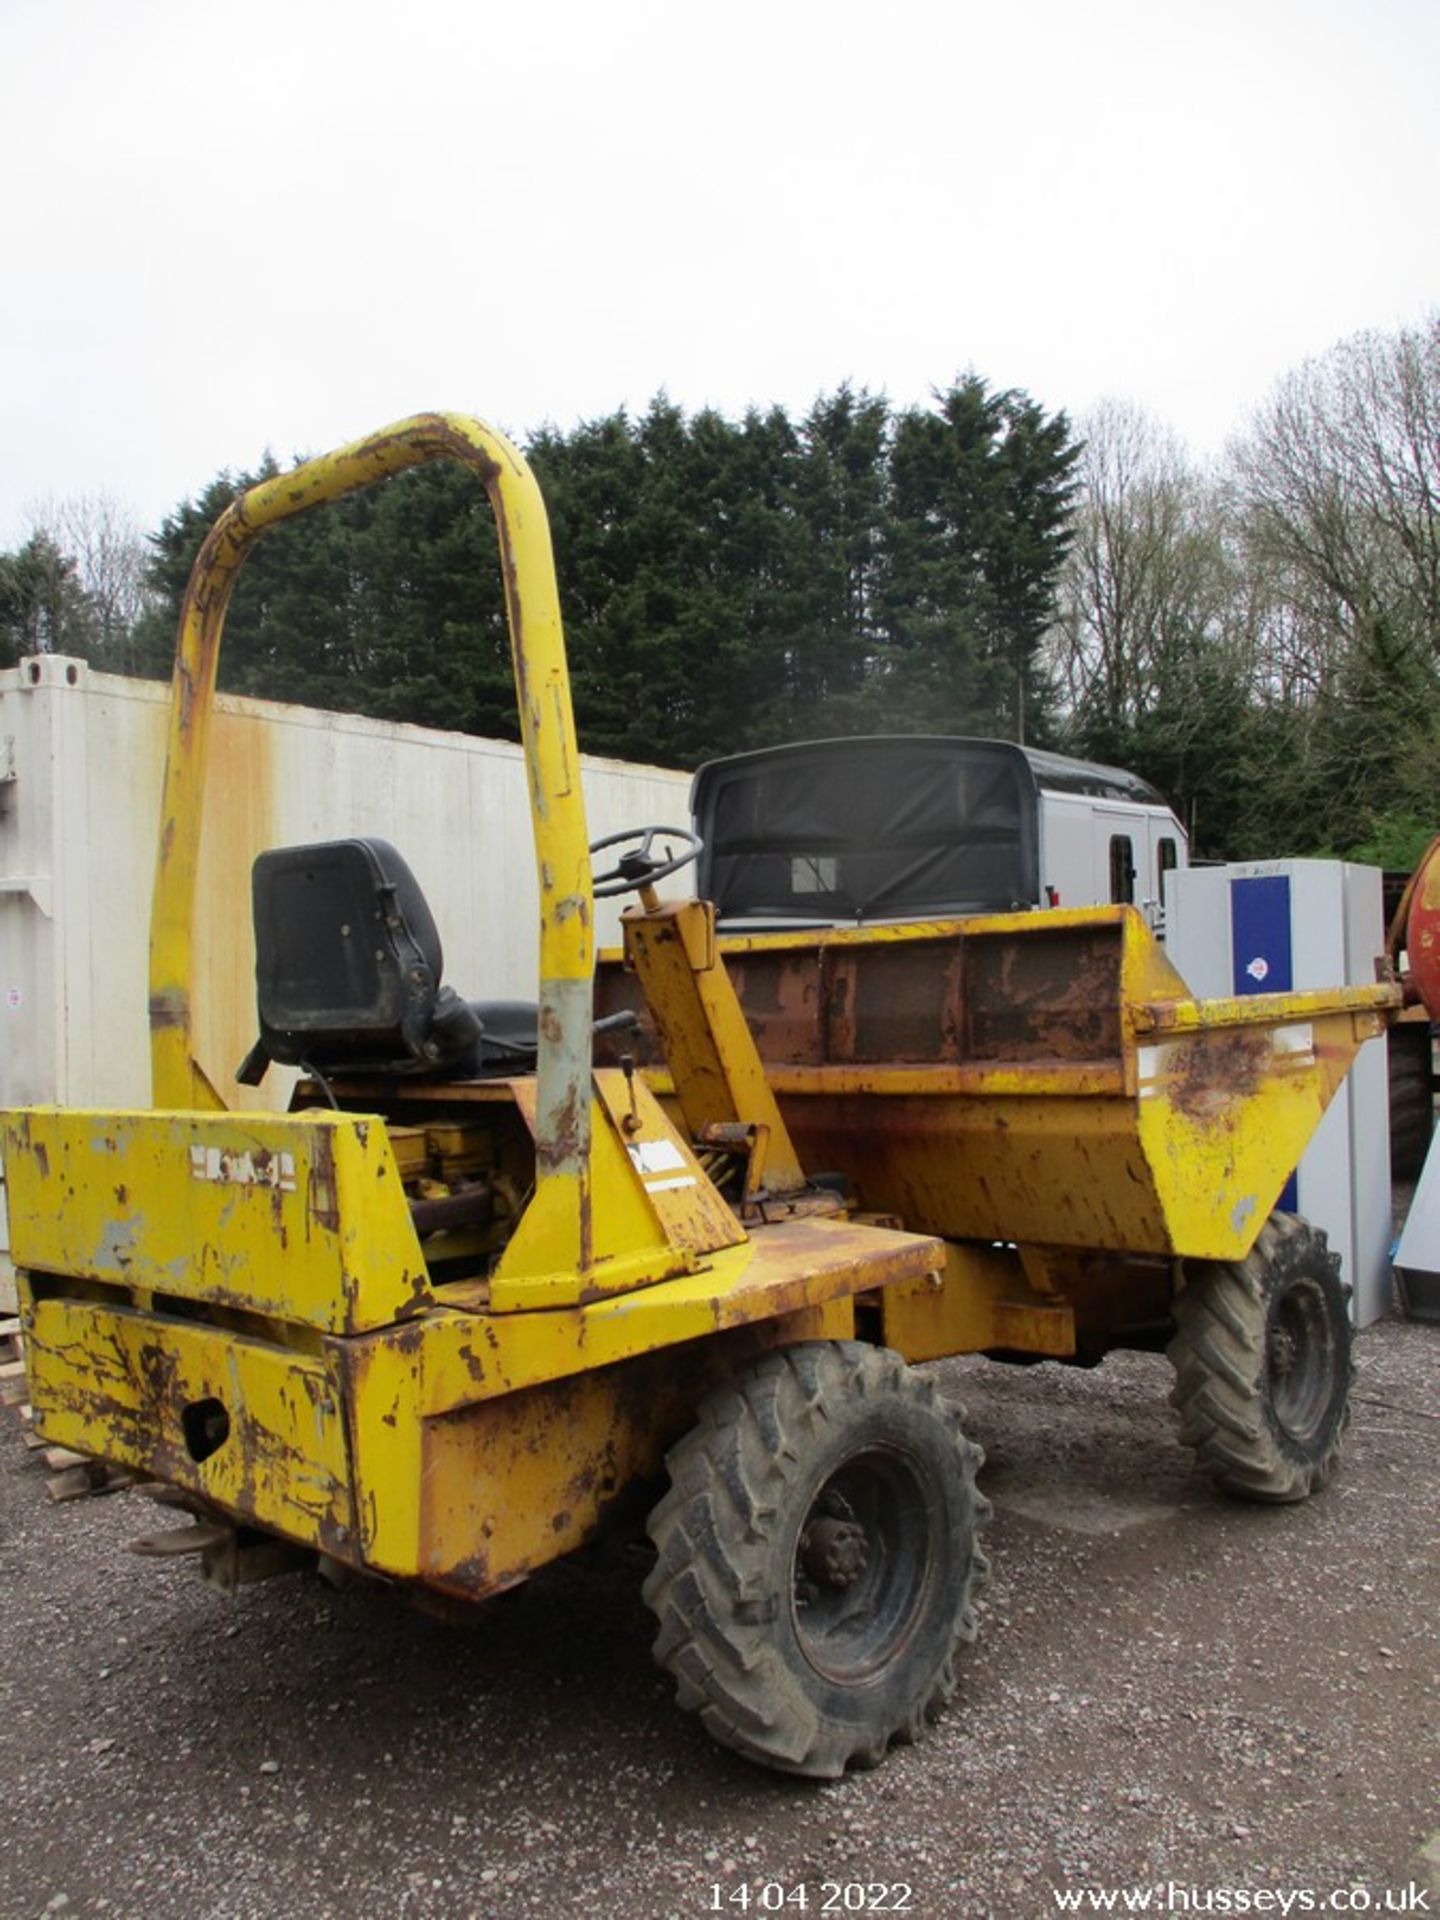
<point>252,1430</point>
<point>1208,1078</point>
<point>1044,995</point>
<point>934,996</point>
<point>323,1200</point>
<point>510,1485</point>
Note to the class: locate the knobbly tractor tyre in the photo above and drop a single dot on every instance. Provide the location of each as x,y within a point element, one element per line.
<point>1262,1358</point>
<point>1412,1100</point>
<point>817,1560</point>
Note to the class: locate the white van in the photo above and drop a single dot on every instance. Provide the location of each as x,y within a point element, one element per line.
<point>905,827</point>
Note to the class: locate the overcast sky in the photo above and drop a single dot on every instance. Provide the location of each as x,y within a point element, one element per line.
<point>282,225</point>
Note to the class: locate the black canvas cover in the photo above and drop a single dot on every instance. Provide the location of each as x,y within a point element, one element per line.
<point>869,829</point>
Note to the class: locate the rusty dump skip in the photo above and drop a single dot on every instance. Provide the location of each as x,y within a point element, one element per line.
<point>938,996</point>
<point>1044,1077</point>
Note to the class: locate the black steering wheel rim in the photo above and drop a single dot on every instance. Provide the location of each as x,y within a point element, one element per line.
<point>639,868</point>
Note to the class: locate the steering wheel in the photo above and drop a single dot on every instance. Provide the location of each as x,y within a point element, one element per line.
<point>637,866</point>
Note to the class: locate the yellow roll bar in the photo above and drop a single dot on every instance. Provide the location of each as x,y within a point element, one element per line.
<point>547,726</point>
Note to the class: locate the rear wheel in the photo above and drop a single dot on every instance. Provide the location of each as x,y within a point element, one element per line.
<point>1412,1101</point>
<point>1262,1357</point>
<point>817,1563</point>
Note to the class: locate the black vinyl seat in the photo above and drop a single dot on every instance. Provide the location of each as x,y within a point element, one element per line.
<point>348,968</point>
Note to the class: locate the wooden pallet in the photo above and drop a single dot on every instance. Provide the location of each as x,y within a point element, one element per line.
<point>13,1390</point>
<point>74,1475</point>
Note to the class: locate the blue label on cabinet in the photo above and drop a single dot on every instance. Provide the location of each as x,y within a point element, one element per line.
<point>1260,959</point>
<point>1260,954</point>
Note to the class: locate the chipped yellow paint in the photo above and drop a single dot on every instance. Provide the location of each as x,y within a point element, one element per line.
<point>115,1383</point>
<point>653,1212</point>
<point>300,1218</point>
<point>462,1427</point>
<point>507,1483</point>
<point>370,1415</point>
<point>471,1353</point>
<point>1226,1107</point>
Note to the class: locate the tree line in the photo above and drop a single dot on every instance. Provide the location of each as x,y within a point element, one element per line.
<point>1262,637</point>
<point>724,584</point>
<point>1259,636</point>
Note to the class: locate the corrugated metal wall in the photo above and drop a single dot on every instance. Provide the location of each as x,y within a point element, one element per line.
<point>81,759</point>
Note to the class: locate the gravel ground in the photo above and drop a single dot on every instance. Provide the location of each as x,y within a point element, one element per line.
<point>1168,1689</point>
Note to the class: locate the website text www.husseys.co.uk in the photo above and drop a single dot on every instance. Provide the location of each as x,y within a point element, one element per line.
<point>1175,1896</point>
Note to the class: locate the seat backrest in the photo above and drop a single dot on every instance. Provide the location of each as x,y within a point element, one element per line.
<point>348,961</point>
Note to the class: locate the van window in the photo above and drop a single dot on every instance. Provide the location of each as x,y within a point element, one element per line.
<point>814,873</point>
<point>1166,861</point>
<point>1122,869</point>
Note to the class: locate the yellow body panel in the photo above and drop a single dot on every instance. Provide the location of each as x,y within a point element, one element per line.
<point>1191,1163</point>
<point>468,1353</point>
<point>1225,1108</point>
<point>652,1213</point>
<point>977,1303</point>
<point>718,1074</point>
<point>266,1267</point>
<point>462,1447</point>
<point>300,1218</point>
<point>473,1497</point>
<point>116,1383</point>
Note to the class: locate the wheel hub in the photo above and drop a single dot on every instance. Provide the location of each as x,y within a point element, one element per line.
<point>1300,1359</point>
<point>863,1564</point>
<point>1283,1352</point>
<point>834,1553</point>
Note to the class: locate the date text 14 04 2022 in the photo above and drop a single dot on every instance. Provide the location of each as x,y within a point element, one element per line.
<point>826,1896</point>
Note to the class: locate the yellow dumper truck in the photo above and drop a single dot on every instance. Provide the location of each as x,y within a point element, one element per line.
<point>502,1278</point>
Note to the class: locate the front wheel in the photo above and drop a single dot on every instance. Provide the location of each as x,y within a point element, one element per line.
<point>817,1561</point>
<point>1262,1358</point>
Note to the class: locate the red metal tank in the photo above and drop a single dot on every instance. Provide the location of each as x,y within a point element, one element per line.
<point>1422,929</point>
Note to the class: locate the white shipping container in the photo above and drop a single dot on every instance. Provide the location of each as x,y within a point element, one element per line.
<point>82,757</point>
